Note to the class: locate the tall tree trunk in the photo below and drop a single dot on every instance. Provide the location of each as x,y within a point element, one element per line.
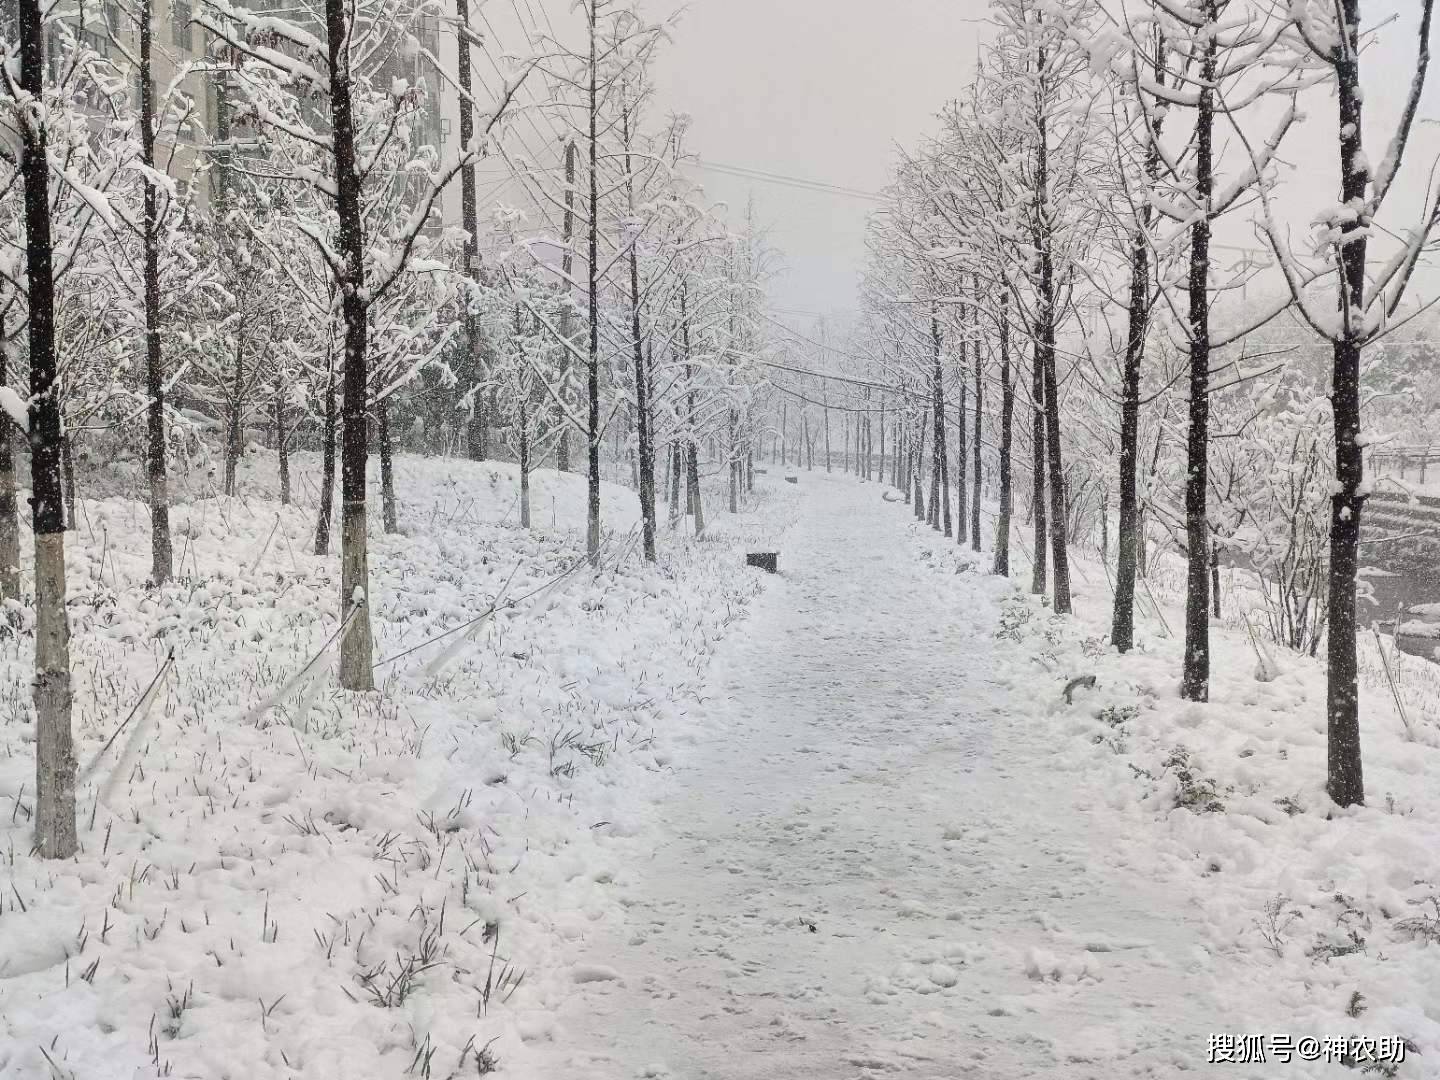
<point>327,463</point>
<point>677,467</point>
<point>880,470</point>
<point>54,750</point>
<point>646,448</point>
<point>1007,415</point>
<point>908,474</point>
<point>961,438</point>
<point>67,468</point>
<point>979,407</point>
<point>944,471</point>
<point>827,430</point>
<point>692,476</point>
<point>282,441</point>
<point>934,517</point>
<point>784,434</point>
<point>860,446</point>
<point>161,559</point>
<point>235,428</point>
<point>592,374</point>
<point>1038,572</point>
<point>567,268</point>
<point>1345,781</point>
<point>1195,682</point>
<point>356,672</point>
<point>734,465</point>
<point>389,514</point>
<point>477,428</point>
<point>691,447</point>
<point>919,468</point>
<point>9,504</point>
<point>691,450</point>
<point>939,488</point>
<point>1122,624</point>
<point>1059,555</point>
<point>1142,553</point>
<point>523,450</point>
<point>1215,578</point>
<point>665,479</point>
<point>1045,351</point>
<point>1105,527</point>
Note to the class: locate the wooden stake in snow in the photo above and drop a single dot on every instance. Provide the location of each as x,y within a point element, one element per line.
<point>1394,686</point>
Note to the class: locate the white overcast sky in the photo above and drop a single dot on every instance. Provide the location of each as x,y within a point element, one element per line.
<point>819,89</point>
<point>825,89</point>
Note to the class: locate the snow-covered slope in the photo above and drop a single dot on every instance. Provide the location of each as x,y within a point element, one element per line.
<point>1321,923</point>
<point>352,886</point>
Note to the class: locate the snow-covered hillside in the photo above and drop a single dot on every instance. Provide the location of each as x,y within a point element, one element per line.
<point>345,885</point>
<point>1318,922</point>
<point>628,830</point>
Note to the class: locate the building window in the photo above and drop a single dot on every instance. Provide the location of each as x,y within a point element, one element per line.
<point>182,33</point>
<point>95,26</point>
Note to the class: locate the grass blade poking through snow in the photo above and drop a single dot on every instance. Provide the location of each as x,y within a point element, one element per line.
<point>139,714</point>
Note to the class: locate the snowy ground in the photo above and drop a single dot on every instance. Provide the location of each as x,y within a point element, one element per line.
<point>1322,924</point>
<point>898,850</point>
<point>875,867</point>
<point>353,886</point>
<point>696,823</point>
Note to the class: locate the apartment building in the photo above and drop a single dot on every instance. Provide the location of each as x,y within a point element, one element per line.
<point>180,45</point>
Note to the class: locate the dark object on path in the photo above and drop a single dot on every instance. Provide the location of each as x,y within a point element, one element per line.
<point>792,479</point>
<point>761,471</point>
<point>769,561</point>
<point>1086,681</point>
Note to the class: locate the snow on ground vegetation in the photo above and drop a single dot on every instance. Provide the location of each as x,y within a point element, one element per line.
<point>345,885</point>
<point>1323,923</point>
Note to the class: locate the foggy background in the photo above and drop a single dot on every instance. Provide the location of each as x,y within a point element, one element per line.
<point>818,94</point>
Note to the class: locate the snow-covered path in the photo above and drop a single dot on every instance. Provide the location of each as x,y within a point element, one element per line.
<point>869,869</point>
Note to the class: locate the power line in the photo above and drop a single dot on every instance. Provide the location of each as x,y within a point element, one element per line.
<point>817,344</point>
<point>827,404</point>
<point>784,180</point>
<point>868,384</point>
<point>525,88</point>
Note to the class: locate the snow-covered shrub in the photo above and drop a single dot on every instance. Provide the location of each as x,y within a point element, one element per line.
<point>1193,790</point>
<point>1279,510</point>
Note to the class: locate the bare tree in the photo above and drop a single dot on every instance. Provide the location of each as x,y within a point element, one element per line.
<point>1366,304</point>
<point>55,835</point>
